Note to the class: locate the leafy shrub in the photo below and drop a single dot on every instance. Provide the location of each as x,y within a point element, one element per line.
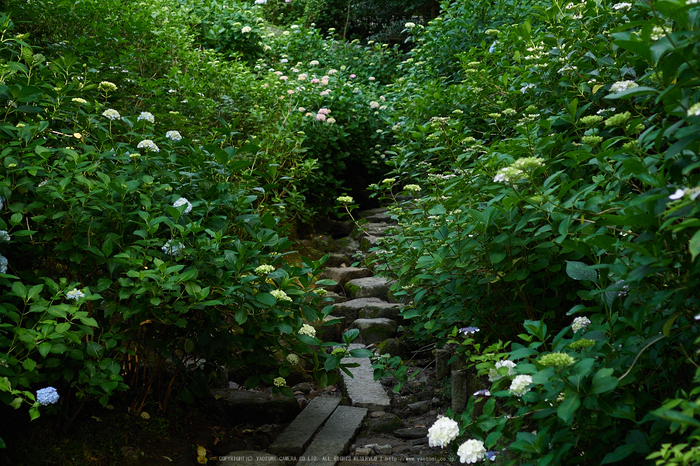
<point>524,195</point>
<point>138,253</point>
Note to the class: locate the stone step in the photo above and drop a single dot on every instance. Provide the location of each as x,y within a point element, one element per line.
<point>374,330</point>
<point>367,308</point>
<point>379,215</point>
<point>242,406</point>
<point>374,229</point>
<point>297,436</point>
<point>362,390</point>
<point>342,275</point>
<point>334,438</point>
<point>370,287</point>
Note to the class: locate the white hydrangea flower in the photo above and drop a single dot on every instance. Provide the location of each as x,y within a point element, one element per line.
<point>620,86</point>
<point>172,248</point>
<point>75,294</point>
<point>493,373</point>
<point>520,385</point>
<point>471,451</point>
<point>509,175</point>
<point>264,269</point>
<point>410,25</point>
<point>308,330</point>
<point>246,29</point>
<point>580,323</point>
<point>292,359</point>
<point>146,116</point>
<point>374,104</point>
<point>148,145</point>
<point>622,6</point>
<point>174,136</point>
<point>4,236</point>
<point>280,295</point>
<point>442,432</point>
<point>183,201</point>
<point>111,114</point>
<point>694,110</point>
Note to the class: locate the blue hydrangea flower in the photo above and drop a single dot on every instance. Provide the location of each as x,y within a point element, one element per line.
<point>490,455</point>
<point>482,393</point>
<point>75,294</point>
<point>47,396</point>
<point>3,264</point>
<point>469,330</point>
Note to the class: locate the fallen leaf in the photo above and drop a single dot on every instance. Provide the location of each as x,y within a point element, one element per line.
<point>145,415</point>
<point>168,459</point>
<point>201,451</point>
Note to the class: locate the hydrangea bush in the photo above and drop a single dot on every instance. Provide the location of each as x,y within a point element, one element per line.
<point>140,253</point>
<point>557,164</point>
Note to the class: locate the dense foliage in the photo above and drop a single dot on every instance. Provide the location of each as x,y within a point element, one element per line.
<point>544,161</point>
<point>556,179</point>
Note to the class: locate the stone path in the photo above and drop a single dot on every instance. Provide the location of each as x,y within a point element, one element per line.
<point>391,429</point>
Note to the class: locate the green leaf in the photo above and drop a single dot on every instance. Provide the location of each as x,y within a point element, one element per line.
<point>675,416</point>
<point>360,353</point>
<point>285,328</point>
<point>332,362</point>
<point>568,407</point>
<point>29,364</point>
<point>33,291</point>
<point>694,245</point>
<point>580,271</point>
<point>94,349</point>
<point>266,299</point>
<point>241,316</point>
<point>19,290</point>
<point>620,453</point>
<point>602,382</point>
<point>44,348</point>
<point>631,92</point>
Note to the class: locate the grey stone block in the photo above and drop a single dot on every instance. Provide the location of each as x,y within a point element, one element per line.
<point>381,309</point>
<point>351,309</point>
<point>370,287</point>
<point>244,406</point>
<point>297,436</point>
<point>334,438</point>
<point>342,275</point>
<point>375,330</point>
<point>362,389</point>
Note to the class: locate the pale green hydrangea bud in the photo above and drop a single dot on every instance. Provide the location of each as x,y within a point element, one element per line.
<point>556,360</point>
<point>591,120</point>
<point>618,119</point>
<point>527,163</point>
<point>592,140</point>
<point>581,344</point>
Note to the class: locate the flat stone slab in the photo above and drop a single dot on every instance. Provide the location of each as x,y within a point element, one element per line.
<point>249,458</point>
<point>362,389</point>
<point>335,437</point>
<point>370,287</point>
<point>297,436</point>
<point>375,229</point>
<point>342,275</point>
<point>378,215</point>
<point>351,309</point>
<point>243,406</point>
<point>375,330</point>
<point>381,309</point>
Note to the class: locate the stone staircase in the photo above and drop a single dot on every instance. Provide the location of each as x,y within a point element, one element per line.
<point>322,433</point>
